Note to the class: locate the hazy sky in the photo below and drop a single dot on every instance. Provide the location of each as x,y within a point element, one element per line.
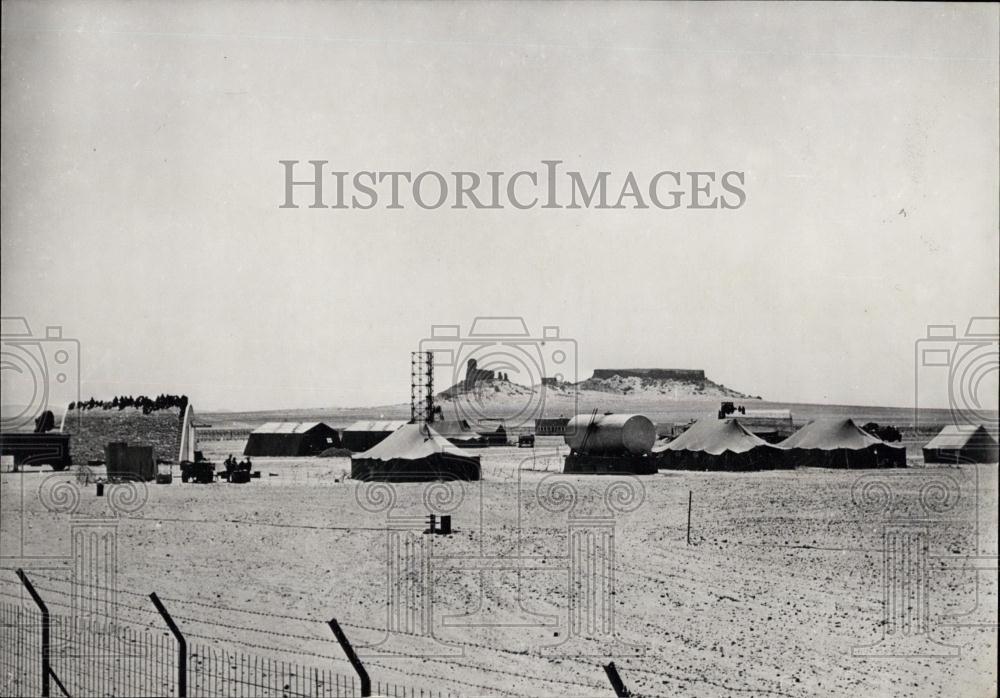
<point>141,186</point>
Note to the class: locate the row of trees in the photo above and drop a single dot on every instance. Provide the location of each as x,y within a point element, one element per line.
<point>146,404</point>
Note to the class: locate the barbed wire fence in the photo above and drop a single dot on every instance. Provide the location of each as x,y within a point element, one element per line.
<point>48,648</point>
<point>132,652</point>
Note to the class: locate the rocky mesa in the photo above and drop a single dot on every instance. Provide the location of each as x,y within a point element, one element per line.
<point>669,382</point>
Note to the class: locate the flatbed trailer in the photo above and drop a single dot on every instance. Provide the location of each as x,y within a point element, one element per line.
<point>49,448</point>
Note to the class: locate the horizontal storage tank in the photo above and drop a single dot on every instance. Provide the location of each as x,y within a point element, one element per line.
<point>610,434</point>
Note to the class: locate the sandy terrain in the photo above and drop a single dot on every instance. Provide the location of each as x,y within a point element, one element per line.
<point>782,580</point>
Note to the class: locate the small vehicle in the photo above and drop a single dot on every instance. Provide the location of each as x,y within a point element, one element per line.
<point>726,408</point>
<point>202,471</point>
<point>526,441</point>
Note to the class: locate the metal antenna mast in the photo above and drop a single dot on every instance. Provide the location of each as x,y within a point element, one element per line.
<point>421,387</point>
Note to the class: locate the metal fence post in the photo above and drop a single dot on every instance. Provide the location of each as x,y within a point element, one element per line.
<point>616,681</point>
<point>45,629</point>
<point>690,497</point>
<point>352,657</point>
<point>181,646</point>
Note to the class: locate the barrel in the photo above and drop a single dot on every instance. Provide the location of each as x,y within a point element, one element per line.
<point>610,434</point>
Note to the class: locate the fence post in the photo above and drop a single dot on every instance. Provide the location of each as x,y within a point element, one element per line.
<point>181,646</point>
<point>352,657</point>
<point>616,681</point>
<point>690,496</point>
<point>45,629</point>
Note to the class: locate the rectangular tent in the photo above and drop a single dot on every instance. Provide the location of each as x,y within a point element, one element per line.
<point>364,434</point>
<point>291,439</point>
<point>962,444</point>
<point>551,427</point>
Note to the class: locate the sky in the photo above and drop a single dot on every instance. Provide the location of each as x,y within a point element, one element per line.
<point>141,188</point>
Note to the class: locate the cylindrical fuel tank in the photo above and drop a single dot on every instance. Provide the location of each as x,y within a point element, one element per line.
<point>609,434</point>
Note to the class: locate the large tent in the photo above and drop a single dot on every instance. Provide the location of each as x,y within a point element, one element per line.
<point>840,443</point>
<point>414,453</point>
<point>962,444</point>
<point>718,444</point>
<point>291,439</point>
<point>364,434</point>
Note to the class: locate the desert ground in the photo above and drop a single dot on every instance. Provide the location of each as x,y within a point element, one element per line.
<point>778,593</point>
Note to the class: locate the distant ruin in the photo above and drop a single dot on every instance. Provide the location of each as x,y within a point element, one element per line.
<point>474,374</point>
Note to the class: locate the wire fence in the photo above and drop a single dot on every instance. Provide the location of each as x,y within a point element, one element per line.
<point>20,651</point>
<point>95,656</point>
<point>127,650</point>
<point>92,657</point>
<point>220,672</point>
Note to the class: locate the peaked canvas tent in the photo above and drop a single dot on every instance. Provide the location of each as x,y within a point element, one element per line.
<point>718,444</point>
<point>291,439</point>
<point>364,434</point>
<point>414,453</point>
<point>962,444</point>
<point>840,443</point>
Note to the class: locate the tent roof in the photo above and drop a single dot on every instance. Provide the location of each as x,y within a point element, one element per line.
<point>715,436</point>
<point>959,436</point>
<point>376,425</point>
<point>832,434</point>
<point>411,442</point>
<point>287,427</point>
